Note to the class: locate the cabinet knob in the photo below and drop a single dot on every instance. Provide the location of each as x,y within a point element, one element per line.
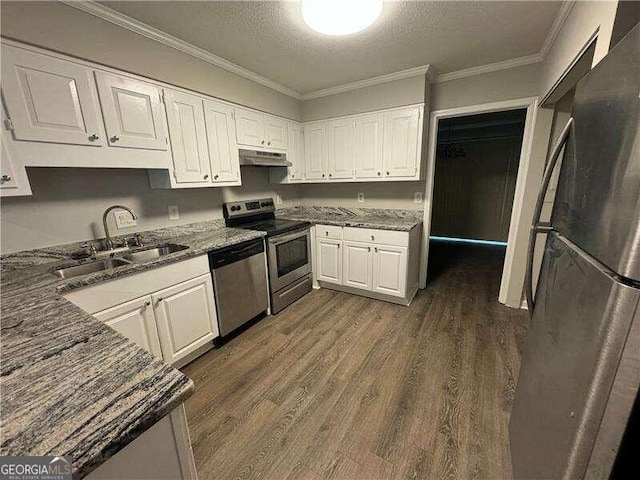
<point>93,137</point>
<point>293,175</point>
<point>338,246</point>
<point>323,175</point>
<point>206,176</point>
<point>379,173</point>
<point>262,142</point>
<point>368,249</point>
<point>215,177</point>
<point>329,175</point>
<point>268,143</point>
<point>159,299</point>
<point>147,304</point>
<point>372,237</point>
<point>115,138</point>
<point>5,178</point>
<point>387,173</point>
<point>326,234</point>
<point>375,249</point>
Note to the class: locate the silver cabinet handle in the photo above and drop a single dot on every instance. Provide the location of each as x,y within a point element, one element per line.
<point>115,138</point>
<point>206,176</point>
<point>93,137</point>
<point>5,178</point>
<point>536,226</point>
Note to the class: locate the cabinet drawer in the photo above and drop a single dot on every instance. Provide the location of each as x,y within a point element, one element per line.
<point>380,237</point>
<point>329,231</point>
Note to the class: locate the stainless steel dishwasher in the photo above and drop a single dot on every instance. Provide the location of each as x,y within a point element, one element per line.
<point>239,283</point>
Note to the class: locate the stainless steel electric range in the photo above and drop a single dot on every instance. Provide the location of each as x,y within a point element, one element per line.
<point>288,248</point>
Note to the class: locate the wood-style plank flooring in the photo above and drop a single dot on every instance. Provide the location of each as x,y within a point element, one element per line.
<point>341,386</point>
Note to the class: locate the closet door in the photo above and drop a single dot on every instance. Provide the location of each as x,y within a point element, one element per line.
<point>185,117</point>
<point>132,112</point>
<point>221,138</point>
<point>49,100</point>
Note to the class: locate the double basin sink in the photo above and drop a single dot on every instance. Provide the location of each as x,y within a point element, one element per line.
<point>137,256</point>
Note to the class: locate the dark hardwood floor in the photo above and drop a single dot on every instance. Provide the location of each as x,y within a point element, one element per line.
<point>341,386</point>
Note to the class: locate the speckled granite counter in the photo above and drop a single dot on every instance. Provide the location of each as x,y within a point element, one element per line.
<point>71,385</point>
<point>381,219</point>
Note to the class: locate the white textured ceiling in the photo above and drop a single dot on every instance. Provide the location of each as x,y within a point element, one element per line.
<point>271,39</point>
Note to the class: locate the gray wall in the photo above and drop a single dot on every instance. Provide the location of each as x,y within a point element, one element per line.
<point>56,26</point>
<point>67,204</point>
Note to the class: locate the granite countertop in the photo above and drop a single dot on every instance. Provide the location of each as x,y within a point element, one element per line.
<point>71,385</point>
<point>403,224</point>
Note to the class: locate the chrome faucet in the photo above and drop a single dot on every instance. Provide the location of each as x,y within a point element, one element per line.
<point>107,238</point>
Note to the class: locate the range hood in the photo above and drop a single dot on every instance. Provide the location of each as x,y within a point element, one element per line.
<point>263,159</point>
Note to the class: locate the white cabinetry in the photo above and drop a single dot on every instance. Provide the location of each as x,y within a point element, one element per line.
<point>185,117</point>
<point>340,151</point>
<point>382,264</point>
<point>329,257</point>
<point>169,310</point>
<point>315,147</point>
<point>132,112</point>
<point>186,317</point>
<point>13,177</point>
<point>50,100</point>
<point>402,142</point>
<point>256,129</point>
<point>136,321</point>
<point>221,139</point>
<point>368,146</point>
<point>295,153</point>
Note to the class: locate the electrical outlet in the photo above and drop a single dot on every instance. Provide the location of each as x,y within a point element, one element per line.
<point>360,198</point>
<point>173,212</point>
<point>278,199</point>
<point>124,219</point>
<point>417,197</point>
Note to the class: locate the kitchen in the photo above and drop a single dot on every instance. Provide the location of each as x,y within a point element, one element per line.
<point>210,273</point>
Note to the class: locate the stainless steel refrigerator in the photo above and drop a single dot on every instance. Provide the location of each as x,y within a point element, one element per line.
<point>580,370</point>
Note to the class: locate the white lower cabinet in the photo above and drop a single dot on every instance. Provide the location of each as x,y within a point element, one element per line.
<point>329,260</point>
<point>186,317</point>
<point>136,321</point>
<point>381,264</point>
<point>169,310</point>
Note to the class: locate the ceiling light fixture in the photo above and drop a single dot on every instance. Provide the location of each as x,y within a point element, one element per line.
<point>340,17</point>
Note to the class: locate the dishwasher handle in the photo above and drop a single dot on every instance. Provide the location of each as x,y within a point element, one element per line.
<point>235,253</point>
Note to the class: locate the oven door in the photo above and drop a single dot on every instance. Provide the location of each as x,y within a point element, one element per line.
<point>289,258</point>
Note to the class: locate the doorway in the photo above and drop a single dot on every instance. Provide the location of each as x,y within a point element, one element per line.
<point>477,159</point>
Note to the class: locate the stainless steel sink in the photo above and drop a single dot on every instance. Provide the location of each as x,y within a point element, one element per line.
<point>153,253</point>
<point>91,267</point>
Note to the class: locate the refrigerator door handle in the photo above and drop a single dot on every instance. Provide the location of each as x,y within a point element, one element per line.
<point>542,227</point>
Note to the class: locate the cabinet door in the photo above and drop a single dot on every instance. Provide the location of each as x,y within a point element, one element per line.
<point>401,142</point>
<point>188,135</point>
<point>221,137</point>
<point>186,317</point>
<point>249,127</point>
<point>295,153</point>
<point>132,112</point>
<point>368,149</point>
<point>390,270</point>
<point>275,132</point>
<point>13,178</point>
<point>315,148</point>
<point>48,99</point>
<point>340,140</point>
<point>134,320</point>
<point>358,263</point>
<point>330,260</point>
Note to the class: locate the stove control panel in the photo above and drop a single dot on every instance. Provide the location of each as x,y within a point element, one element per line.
<point>248,207</point>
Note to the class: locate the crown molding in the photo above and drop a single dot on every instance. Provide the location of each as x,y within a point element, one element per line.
<point>368,82</point>
<point>490,67</point>
<point>558,23</point>
<point>117,18</point>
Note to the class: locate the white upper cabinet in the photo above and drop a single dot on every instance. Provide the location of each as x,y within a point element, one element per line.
<point>315,147</point>
<point>250,127</point>
<point>368,149</point>
<point>48,99</point>
<point>340,141</point>
<point>132,112</point>
<point>13,178</point>
<point>188,134</point>
<point>295,153</point>
<point>255,129</point>
<point>275,132</point>
<point>402,141</point>
<point>221,141</point>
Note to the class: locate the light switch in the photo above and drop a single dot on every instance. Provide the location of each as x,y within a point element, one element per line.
<point>360,198</point>
<point>173,212</point>
<point>417,197</point>
<point>124,219</point>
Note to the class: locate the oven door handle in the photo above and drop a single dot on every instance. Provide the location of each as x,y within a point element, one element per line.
<point>279,240</point>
